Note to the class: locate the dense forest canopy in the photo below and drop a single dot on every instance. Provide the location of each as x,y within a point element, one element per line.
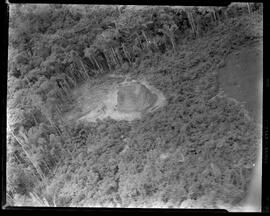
<point>53,49</point>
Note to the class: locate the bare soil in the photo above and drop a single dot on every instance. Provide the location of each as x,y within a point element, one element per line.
<point>99,101</point>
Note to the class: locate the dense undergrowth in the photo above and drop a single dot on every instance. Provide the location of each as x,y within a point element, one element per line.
<point>199,149</point>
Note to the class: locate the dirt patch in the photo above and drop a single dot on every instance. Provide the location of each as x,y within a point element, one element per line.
<point>134,97</point>
<point>241,78</point>
<point>102,101</point>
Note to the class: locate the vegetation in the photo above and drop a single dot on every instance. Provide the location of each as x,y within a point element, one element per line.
<point>53,49</point>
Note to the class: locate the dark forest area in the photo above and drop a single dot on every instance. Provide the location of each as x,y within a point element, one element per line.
<point>197,151</point>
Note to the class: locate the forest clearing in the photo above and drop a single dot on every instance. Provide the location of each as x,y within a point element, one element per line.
<point>148,107</point>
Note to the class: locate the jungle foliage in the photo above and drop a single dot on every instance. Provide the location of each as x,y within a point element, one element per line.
<point>53,49</point>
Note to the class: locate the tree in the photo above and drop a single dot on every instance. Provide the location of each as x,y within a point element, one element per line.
<point>169,32</point>
<point>28,156</point>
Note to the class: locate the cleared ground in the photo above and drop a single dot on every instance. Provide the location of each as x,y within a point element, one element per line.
<point>100,102</point>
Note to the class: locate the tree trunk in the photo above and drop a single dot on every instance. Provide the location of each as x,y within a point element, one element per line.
<point>113,57</point>
<point>248,6</point>
<point>19,161</point>
<point>24,136</point>
<point>107,61</point>
<point>63,88</point>
<point>146,39</point>
<point>73,70</point>
<point>35,120</point>
<point>53,125</point>
<point>91,61</point>
<point>214,14</point>
<point>116,59</point>
<point>73,83</point>
<point>60,94</point>
<point>41,175</point>
<point>96,62</point>
<point>85,72</point>
<point>139,40</point>
<point>126,53</point>
<point>77,71</point>
<point>47,166</point>
<point>191,21</point>
<point>58,109</point>
<point>66,84</point>
<point>71,75</point>
<point>118,54</point>
<point>173,43</point>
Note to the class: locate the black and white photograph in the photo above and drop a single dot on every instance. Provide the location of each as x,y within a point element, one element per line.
<point>135,106</point>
